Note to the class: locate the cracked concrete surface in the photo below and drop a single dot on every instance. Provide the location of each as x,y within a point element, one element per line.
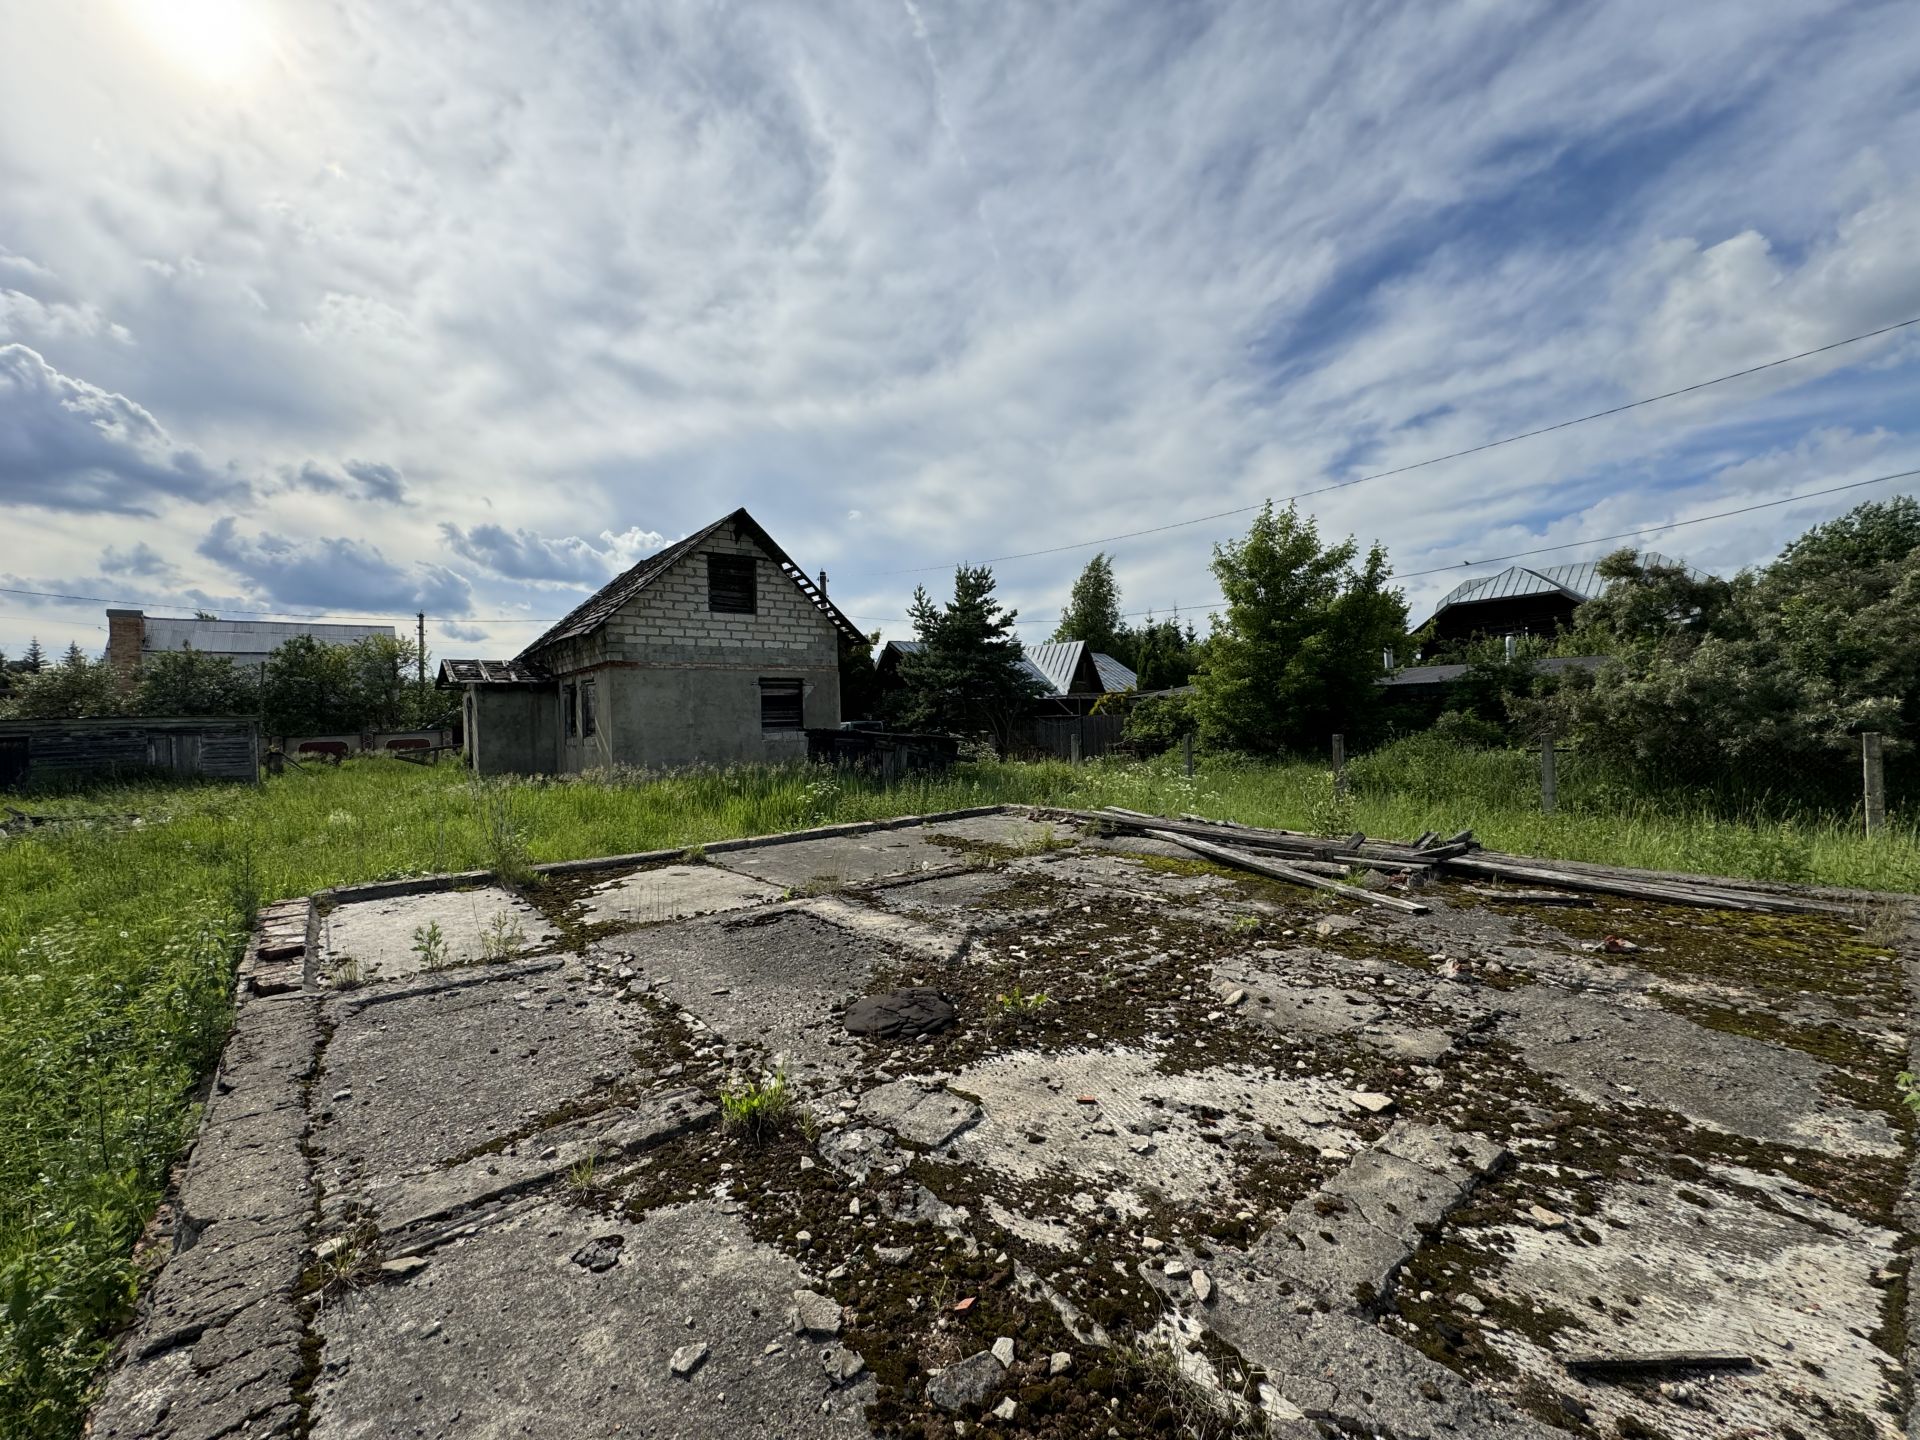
<point>1349,1195</point>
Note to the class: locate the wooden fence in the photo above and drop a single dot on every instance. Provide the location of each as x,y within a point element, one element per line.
<point>1055,735</point>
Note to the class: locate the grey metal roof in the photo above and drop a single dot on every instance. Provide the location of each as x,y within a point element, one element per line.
<point>491,672</point>
<point>245,637</point>
<point>1056,661</point>
<point>598,608</point>
<point>1577,582</point>
<point>1446,674</point>
<point>1114,675</point>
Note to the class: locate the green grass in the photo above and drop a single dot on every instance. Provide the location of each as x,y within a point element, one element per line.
<point>117,941</point>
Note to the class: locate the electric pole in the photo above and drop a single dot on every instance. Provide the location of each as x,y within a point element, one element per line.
<point>420,655</point>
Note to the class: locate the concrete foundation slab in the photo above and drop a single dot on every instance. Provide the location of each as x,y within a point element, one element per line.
<point>365,941</point>
<point>506,1333</point>
<point>672,892</point>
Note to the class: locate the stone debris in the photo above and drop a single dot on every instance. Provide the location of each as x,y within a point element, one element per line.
<point>816,1314</point>
<point>1059,1362</point>
<point>400,1269</point>
<point>1006,1409</point>
<point>900,1014</point>
<point>689,1358</point>
<point>600,1254</point>
<point>1370,1101</point>
<point>841,1364</point>
<point>1202,1286</point>
<point>1003,1351</point>
<point>1546,1219</point>
<point>962,1386</point>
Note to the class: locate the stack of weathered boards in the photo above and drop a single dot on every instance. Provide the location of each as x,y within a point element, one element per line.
<point>1315,861</point>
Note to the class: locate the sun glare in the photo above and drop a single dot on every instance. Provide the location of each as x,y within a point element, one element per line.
<point>221,41</point>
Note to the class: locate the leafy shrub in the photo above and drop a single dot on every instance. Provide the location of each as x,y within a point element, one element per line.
<point>1155,723</point>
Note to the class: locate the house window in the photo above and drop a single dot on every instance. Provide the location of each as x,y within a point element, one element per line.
<point>569,697</point>
<point>780,705</point>
<point>730,584</point>
<point>587,723</point>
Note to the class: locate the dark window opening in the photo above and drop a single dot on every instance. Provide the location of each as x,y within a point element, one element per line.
<point>730,584</point>
<point>569,697</point>
<point>780,705</point>
<point>588,726</point>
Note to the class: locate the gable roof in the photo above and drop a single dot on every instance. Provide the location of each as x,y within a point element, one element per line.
<point>490,672</point>
<point>1052,665</point>
<point>600,607</point>
<point>1578,583</point>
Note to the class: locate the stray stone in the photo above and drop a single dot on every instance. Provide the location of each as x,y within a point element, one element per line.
<point>1085,1100</point>
<point>1059,1362</point>
<point>1006,1409</point>
<point>600,1254</point>
<point>1235,998</point>
<point>400,1269</point>
<point>838,1272</point>
<point>1152,1243</point>
<point>1546,1219</point>
<point>773,1348</point>
<point>893,1254</point>
<point>1174,1269</point>
<point>1472,1304</point>
<point>1003,1351</point>
<point>806,1162</point>
<point>841,1364</point>
<point>1370,1101</point>
<point>968,1383</point>
<point>1202,1286</point>
<point>815,1314</point>
<point>689,1358</point>
<point>1334,924</point>
<point>329,1247</point>
<point>803,1239</point>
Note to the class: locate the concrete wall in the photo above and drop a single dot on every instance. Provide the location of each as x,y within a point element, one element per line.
<point>511,729</point>
<point>676,684</point>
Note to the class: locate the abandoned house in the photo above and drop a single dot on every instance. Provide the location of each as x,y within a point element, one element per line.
<point>716,650</point>
<point>1520,601</point>
<point>132,635</point>
<point>1070,676</point>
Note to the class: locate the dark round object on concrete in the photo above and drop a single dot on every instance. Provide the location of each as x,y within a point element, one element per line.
<point>900,1014</point>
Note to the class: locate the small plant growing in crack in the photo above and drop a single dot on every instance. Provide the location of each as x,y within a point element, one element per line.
<point>504,937</point>
<point>352,1264</point>
<point>581,1175</point>
<point>1245,924</point>
<point>1019,1002</point>
<point>694,855</point>
<point>755,1108</point>
<point>431,946</point>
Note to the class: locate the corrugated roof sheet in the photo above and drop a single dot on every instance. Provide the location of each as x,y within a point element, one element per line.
<point>599,607</point>
<point>1578,582</point>
<point>1114,675</point>
<point>245,637</point>
<point>492,672</point>
<point>1445,674</point>
<point>1055,661</point>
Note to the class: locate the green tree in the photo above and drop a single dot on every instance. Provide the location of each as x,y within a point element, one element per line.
<point>35,660</point>
<point>1296,654</point>
<point>190,682</point>
<point>75,689</point>
<point>967,678</point>
<point>307,688</point>
<point>1093,610</point>
<point>1163,655</point>
<point>860,690</point>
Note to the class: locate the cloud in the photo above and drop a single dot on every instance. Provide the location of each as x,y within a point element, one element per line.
<point>565,560</point>
<point>472,634</point>
<point>333,573</point>
<point>357,479</point>
<point>142,561</point>
<point>69,445</point>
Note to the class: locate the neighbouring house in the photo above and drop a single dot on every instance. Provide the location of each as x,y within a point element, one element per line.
<point>132,635</point>
<point>718,649</point>
<point>1522,601</point>
<point>1072,678</point>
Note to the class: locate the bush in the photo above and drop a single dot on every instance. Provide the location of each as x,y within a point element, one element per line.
<point>1156,722</point>
<point>1459,727</point>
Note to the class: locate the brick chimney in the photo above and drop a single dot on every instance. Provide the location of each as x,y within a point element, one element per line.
<point>126,629</point>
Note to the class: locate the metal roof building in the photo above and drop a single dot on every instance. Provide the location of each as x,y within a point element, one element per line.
<point>1521,598</point>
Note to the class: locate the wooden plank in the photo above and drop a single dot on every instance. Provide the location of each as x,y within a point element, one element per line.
<point>1262,865</point>
<point>1531,897</point>
<point>1656,1362</point>
<point>1701,896</point>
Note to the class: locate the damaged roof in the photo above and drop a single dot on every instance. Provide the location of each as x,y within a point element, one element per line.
<point>491,672</point>
<point>601,606</point>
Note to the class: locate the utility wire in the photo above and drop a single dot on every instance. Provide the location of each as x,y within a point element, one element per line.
<point>1435,459</point>
<point>1575,544</point>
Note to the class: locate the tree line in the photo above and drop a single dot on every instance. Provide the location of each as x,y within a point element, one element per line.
<point>302,688</point>
<point>1686,673</point>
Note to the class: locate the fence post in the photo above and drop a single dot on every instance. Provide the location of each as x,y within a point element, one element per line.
<point>1340,762</point>
<point>1873,773</point>
<point>1073,746</point>
<point>1549,777</point>
<point>1186,753</point>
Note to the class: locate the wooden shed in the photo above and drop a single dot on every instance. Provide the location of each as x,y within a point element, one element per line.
<point>214,748</point>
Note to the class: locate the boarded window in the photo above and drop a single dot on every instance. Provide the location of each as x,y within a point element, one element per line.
<point>730,584</point>
<point>569,698</point>
<point>588,725</point>
<point>780,705</point>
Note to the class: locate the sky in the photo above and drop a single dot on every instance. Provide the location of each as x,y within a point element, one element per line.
<point>365,307</point>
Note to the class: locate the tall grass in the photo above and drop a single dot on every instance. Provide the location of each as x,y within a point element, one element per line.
<point>117,940</point>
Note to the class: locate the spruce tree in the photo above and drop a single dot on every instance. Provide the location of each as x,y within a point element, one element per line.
<point>967,678</point>
<point>35,659</point>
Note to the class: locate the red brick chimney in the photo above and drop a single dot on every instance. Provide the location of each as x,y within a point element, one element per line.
<point>126,629</point>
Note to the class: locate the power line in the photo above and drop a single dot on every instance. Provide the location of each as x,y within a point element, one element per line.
<point>1576,544</point>
<point>1436,459</point>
